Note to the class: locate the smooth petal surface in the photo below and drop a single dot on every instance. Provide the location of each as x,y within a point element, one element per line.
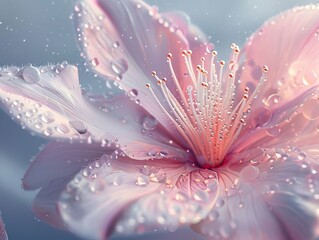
<point>127,40</point>
<point>49,101</point>
<point>277,193</point>
<point>3,234</point>
<point>125,196</point>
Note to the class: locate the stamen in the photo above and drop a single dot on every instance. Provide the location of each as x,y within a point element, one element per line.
<point>206,114</point>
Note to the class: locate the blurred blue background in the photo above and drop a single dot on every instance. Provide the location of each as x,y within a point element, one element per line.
<point>41,32</point>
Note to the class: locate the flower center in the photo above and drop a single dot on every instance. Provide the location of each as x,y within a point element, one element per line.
<point>207,114</point>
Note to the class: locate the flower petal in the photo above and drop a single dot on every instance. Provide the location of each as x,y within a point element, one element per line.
<point>3,234</point>
<point>60,160</point>
<point>127,40</point>
<point>292,58</point>
<point>49,101</point>
<point>275,194</point>
<point>292,84</point>
<point>128,196</point>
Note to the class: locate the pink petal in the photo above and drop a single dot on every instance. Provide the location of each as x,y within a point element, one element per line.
<point>61,160</point>
<point>128,196</point>
<point>288,45</point>
<point>127,40</point>
<point>51,171</point>
<point>3,234</point>
<point>42,99</point>
<point>48,100</point>
<point>292,122</point>
<point>275,199</point>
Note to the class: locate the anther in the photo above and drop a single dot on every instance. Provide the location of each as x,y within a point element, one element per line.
<point>148,85</point>
<point>265,69</point>
<point>204,84</point>
<point>184,53</point>
<point>169,56</point>
<point>222,63</point>
<point>153,73</point>
<point>189,52</point>
<point>214,53</point>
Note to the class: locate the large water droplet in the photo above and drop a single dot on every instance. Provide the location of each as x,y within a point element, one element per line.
<point>274,131</point>
<point>142,180</point>
<point>210,47</point>
<point>47,117</point>
<point>310,109</point>
<point>94,62</point>
<point>31,75</point>
<point>120,66</point>
<point>116,44</point>
<point>149,123</point>
<point>220,203</point>
<point>62,129</point>
<point>117,180</point>
<point>79,126</point>
<point>213,215</point>
<point>249,173</point>
<point>133,93</point>
<point>261,117</point>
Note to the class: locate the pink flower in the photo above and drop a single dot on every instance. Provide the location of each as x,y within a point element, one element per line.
<point>228,148</point>
<point>3,234</point>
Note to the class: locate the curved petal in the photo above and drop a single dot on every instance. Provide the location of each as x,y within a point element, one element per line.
<point>127,40</point>
<point>53,168</point>
<point>49,101</point>
<point>288,45</point>
<point>126,196</point>
<point>277,193</point>
<point>3,234</point>
<point>292,58</point>
<point>61,160</point>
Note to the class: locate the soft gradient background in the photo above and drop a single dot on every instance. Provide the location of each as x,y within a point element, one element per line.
<point>40,32</point>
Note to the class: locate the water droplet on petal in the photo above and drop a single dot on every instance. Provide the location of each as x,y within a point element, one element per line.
<point>47,117</point>
<point>249,173</point>
<point>117,180</point>
<point>79,126</point>
<point>261,117</point>
<point>120,66</point>
<point>149,123</point>
<point>301,156</point>
<point>274,131</point>
<point>31,75</point>
<point>134,93</point>
<point>116,44</point>
<point>220,203</point>
<point>210,47</point>
<point>62,129</point>
<point>142,180</point>
<point>213,215</point>
<point>94,62</point>
<point>310,109</point>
